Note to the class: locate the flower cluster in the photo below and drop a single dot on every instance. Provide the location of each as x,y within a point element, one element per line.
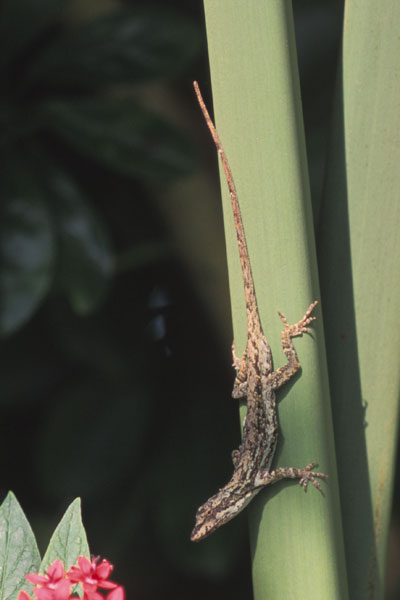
<point>57,584</point>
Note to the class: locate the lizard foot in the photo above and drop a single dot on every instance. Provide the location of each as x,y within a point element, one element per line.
<point>308,475</point>
<point>301,326</point>
<point>236,455</point>
<point>237,362</point>
<point>240,364</point>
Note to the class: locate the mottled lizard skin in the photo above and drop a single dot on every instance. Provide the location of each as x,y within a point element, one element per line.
<point>257,381</point>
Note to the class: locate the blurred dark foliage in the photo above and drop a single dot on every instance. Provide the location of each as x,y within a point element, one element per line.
<point>107,354</point>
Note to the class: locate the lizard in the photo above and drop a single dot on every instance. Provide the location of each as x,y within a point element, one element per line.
<point>257,381</point>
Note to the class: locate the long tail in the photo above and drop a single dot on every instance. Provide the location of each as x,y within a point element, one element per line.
<point>250,294</point>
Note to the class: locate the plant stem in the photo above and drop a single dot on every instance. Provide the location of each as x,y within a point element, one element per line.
<point>296,538</point>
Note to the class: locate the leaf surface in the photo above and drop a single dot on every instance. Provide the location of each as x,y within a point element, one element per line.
<point>19,553</point>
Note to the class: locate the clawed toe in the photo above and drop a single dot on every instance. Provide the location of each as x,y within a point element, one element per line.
<point>301,326</point>
<point>309,475</point>
<point>236,364</point>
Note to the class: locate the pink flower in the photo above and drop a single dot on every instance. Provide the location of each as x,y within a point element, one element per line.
<point>55,572</point>
<point>53,585</point>
<point>92,576</point>
<point>56,584</point>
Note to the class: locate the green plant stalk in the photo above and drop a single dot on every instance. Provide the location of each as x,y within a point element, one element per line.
<point>359,253</point>
<point>296,538</point>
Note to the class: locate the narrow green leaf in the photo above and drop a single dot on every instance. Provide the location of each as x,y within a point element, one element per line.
<point>121,135</point>
<point>85,261</point>
<point>19,553</point>
<point>68,540</point>
<point>22,21</point>
<point>129,46</point>
<point>26,246</point>
<point>296,538</point>
<point>359,262</point>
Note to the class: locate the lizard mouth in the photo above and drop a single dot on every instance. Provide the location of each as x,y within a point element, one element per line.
<point>194,536</point>
<point>201,532</point>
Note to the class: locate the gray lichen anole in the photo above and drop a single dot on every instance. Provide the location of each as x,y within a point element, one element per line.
<point>257,381</point>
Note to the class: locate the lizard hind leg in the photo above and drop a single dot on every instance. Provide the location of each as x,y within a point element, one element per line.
<point>304,475</point>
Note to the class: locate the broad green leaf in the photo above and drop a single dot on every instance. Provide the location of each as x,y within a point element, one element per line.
<point>68,540</point>
<point>26,246</point>
<point>128,46</point>
<point>85,261</point>
<point>19,553</point>
<point>121,135</point>
<point>22,21</point>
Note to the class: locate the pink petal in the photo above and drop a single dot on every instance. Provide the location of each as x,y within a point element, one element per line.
<point>107,585</point>
<point>117,594</point>
<point>59,591</point>
<point>89,586</point>
<point>85,565</point>
<point>92,596</point>
<point>56,570</point>
<point>36,579</point>
<point>62,590</point>
<point>23,595</point>
<point>104,569</point>
<point>74,574</point>
<point>43,593</point>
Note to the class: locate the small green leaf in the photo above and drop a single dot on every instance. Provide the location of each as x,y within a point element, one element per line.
<point>85,260</point>
<point>122,135</point>
<point>19,553</point>
<point>68,540</point>
<point>128,46</point>
<point>26,246</point>
<point>22,21</point>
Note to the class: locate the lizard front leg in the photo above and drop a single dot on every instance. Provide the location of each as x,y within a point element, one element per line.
<point>304,475</point>
<point>283,374</point>
<point>240,364</point>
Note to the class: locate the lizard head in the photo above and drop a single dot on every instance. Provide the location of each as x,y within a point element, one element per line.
<point>217,511</point>
<point>207,521</point>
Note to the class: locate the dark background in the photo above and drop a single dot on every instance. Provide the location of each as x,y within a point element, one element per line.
<point>115,379</point>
